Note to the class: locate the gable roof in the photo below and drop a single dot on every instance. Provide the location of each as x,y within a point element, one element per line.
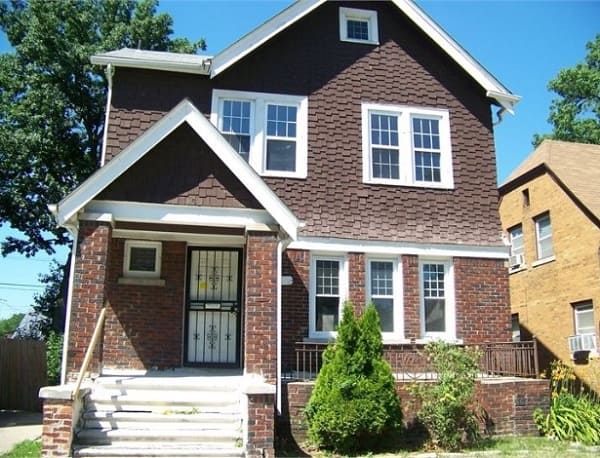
<point>576,165</point>
<point>185,111</point>
<point>265,32</point>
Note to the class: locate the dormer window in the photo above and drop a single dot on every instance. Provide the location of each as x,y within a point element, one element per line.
<point>358,26</point>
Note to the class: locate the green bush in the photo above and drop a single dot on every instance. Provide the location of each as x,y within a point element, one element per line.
<point>54,346</point>
<point>446,404</point>
<point>572,417</point>
<point>354,404</point>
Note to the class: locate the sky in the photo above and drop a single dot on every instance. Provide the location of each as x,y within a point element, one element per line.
<point>523,43</point>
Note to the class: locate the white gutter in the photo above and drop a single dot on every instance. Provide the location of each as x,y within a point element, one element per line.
<point>74,231</point>
<point>110,71</point>
<point>281,246</point>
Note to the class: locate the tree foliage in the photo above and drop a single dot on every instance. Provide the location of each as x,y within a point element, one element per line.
<point>354,404</point>
<point>52,101</point>
<point>575,113</point>
<point>10,324</point>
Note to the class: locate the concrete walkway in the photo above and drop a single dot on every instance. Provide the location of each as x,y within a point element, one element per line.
<point>17,426</point>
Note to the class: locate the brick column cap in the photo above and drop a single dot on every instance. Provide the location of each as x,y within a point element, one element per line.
<point>61,392</point>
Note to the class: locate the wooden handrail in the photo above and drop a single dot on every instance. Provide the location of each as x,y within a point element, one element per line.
<point>89,352</point>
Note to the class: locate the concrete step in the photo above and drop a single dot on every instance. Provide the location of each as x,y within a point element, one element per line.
<point>163,421</point>
<point>162,450</point>
<point>221,384</point>
<point>124,436</point>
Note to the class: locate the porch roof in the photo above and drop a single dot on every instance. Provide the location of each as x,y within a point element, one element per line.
<point>185,112</point>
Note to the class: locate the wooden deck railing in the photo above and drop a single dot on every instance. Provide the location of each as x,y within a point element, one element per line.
<point>409,362</point>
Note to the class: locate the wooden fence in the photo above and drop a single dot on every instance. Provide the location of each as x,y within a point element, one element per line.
<point>22,374</point>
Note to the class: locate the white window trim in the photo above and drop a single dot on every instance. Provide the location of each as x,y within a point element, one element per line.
<point>258,112</point>
<point>449,289</point>
<point>343,290</point>
<point>405,114</point>
<point>129,244</point>
<point>398,333</point>
<point>577,310</point>
<point>538,240</point>
<point>368,16</point>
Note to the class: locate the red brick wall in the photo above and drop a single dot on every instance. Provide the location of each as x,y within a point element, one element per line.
<point>356,280</point>
<point>261,426</point>
<point>57,430</point>
<point>144,324</point>
<point>482,300</point>
<point>412,298</point>
<point>89,291</point>
<point>260,319</point>
<point>507,406</point>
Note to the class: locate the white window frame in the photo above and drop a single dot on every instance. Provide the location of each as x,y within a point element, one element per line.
<point>129,244</point>
<point>398,306</point>
<point>538,240</point>
<point>449,334</point>
<point>405,115</point>
<point>579,309</point>
<point>257,157</point>
<point>343,292</point>
<point>368,16</point>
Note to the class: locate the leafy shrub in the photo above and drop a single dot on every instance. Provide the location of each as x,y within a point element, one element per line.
<point>446,404</point>
<point>354,403</point>
<point>572,417</point>
<point>54,346</point>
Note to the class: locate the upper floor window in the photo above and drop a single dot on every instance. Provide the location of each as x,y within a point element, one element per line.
<point>543,232</point>
<point>383,290</point>
<point>142,259</point>
<point>517,249</point>
<point>407,146</point>
<point>584,318</point>
<point>328,290</point>
<point>268,130</point>
<point>437,299</point>
<point>359,26</point>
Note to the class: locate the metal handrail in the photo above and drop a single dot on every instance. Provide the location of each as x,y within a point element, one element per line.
<point>90,351</point>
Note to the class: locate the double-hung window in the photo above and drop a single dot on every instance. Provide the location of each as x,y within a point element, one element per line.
<point>406,146</point>
<point>585,329</point>
<point>328,290</point>
<point>142,259</point>
<point>517,249</point>
<point>383,290</point>
<point>437,299</point>
<point>268,130</point>
<point>543,232</point>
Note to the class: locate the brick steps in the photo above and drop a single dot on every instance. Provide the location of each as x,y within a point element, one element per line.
<point>161,417</point>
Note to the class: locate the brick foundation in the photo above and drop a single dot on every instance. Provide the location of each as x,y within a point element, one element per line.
<point>506,405</point>
<point>261,425</point>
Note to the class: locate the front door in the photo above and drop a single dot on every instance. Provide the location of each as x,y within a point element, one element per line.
<point>213,307</point>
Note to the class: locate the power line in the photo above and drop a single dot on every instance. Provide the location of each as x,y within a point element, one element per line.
<point>25,259</point>
<point>26,286</point>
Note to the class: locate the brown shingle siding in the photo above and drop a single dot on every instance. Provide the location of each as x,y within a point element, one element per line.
<point>406,69</point>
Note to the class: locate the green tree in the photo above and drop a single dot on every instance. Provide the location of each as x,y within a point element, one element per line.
<point>575,113</point>
<point>9,325</point>
<point>354,404</point>
<point>52,101</point>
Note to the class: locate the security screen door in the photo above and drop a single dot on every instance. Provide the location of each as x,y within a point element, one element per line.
<point>213,307</point>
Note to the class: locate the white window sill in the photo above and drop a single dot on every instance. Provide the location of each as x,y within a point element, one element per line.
<point>450,340</point>
<point>540,262</point>
<point>514,270</point>
<point>416,184</point>
<point>282,174</point>
<point>361,42</point>
<point>142,281</point>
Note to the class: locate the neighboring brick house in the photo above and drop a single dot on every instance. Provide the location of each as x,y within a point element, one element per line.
<point>550,211</point>
<point>342,150</point>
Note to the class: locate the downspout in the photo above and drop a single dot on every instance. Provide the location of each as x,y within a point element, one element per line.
<point>74,231</point>
<point>281,246</point>
<point>110,71</point>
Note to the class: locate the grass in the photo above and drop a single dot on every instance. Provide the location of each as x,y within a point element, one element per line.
<point>25,449</point>
<point>525,447</point>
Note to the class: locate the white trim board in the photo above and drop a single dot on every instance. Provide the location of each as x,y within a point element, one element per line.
<point>185,111</point>
<point>333,245</point>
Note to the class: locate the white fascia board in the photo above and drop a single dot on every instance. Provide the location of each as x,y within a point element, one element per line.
<point>183,112</point>
<point>262,34</point>
<point>333,245</point>
<point>143,212</point>
<point>201,68</point>
<point>493,87</point>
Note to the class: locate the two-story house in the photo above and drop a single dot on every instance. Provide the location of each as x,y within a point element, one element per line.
<point>550,211</point>
<point>340,151</point>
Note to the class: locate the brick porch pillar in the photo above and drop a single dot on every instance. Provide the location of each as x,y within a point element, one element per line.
<point>260,327</point>
<point>89,292</point>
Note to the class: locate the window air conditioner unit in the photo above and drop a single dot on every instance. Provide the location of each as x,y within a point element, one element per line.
<point>582,342</point>
<point>516,260</point>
